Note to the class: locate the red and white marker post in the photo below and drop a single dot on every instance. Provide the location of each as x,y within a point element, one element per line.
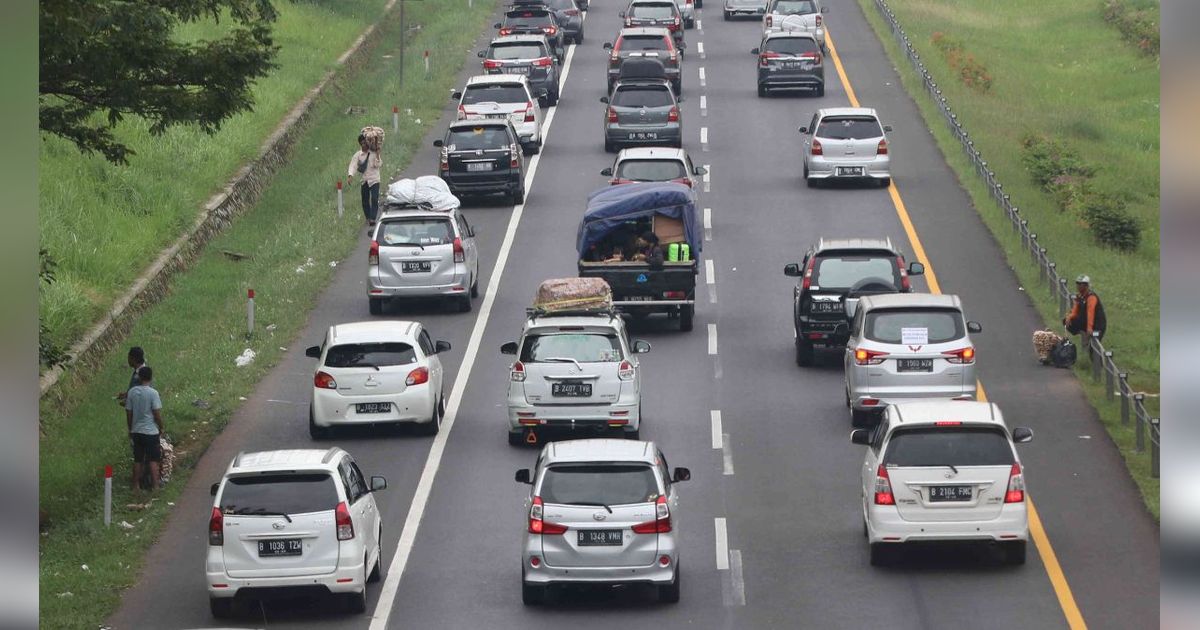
<point>426,64</point>
<point>108,473</point>
<point>339,196</point>
<point>249,312</point>
<point>395,119</point>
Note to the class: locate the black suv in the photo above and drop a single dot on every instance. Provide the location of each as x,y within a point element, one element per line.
<point>534,19</point>
<point>481,157</point>
<point>835,273</point>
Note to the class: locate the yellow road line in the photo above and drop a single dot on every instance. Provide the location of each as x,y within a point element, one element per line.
<point>1054,571</point>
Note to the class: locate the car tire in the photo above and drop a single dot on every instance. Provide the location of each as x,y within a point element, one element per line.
<point>885,182</point>
<point>677,85</point>
<point>579,37</point>
<point>435,423</point>
<point>762,91</point>
<point>686,314</point>
<point>464,304</point>
<point>1014,552</point>
<point>808,181</point>
<point>635,434</point>
<point>551,99</point>
<point>316,432</point>
<point>669,593</point>
<point>355,603</point>
<point>728,16</point>
<point>532,594</point>
<point>475,287</point>
<point>220,607</point>
<point>375,306</point>
<point>516,438</point>
<point>821,90</point>
<point>609,147</point>
<point>881,554</point>
<point>377,571</point>
<point>860,419</point>
<point>804,353</point>
<point>699,4</point>
<point>518,197</point>
<point>689,24</point>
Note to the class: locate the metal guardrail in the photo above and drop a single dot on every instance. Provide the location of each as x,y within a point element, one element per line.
<point>1102,365</point>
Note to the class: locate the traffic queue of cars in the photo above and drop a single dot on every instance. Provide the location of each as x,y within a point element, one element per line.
<point>602,509</point>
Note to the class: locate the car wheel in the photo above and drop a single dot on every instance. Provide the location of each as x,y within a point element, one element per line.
<point>881,554</point>
<point>762,91</point>
<point>1014,552</point>
<point>728,16</point>
<point>686,314</point>
<point>609,147</point>
<point>669,593</point>
<point>579,37</point>
<point>635,434</point>
<point>220,607</point>
<point>532,594</point>
<point>689,24</point>
<point>375,306</point>
<point>377,570</point>
<point>516,438</point>
<point>464,304</point>
<point>804,353</point>
<point>519,196</point>
<point>677,85</point>
<point>821,90</point>
<point>475,287</point>
<point>356,603</point>
<point>885,182</point>
<point>435,422</point>
<point>316,432</point>
<point>699,4</point>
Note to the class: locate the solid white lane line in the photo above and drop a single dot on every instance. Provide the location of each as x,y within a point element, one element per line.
<point>737,580</point>
<point>712,338</point>
<point>710,274</point>
<point>416,511</point>
<point>702,79</point>
<point>716,428</point>
<point>726,455</point>
<point>707,177</point>
<point>700,48</point>
<point>722,538</point>
<point>703,105</point>
<point>704,138</point>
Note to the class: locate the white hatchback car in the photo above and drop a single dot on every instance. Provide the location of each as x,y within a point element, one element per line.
<point>504,95</point>
<point>294,521</point>
<point>846,143</point>
<point>375,373</point>
<point>943,471</point>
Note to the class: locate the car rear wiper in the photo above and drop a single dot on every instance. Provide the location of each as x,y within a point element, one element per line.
<point>261,512</point>
<point>364,364</point>
<point>951,467</point>
<point>564,360</point>
<point>406,245</point>
<point>591,504</point>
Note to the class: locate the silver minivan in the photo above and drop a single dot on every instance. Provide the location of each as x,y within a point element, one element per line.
<point>601,512</point>
<point>905,346</point>
<point>422,253</point>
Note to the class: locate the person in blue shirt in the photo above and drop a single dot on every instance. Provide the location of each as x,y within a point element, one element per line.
<point>143,415</point>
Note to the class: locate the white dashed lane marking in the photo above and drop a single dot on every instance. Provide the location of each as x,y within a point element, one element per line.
<point>716,429</point>
<point>722,543</point>
<point>710,273</point>
<point>708,224</point>
<point>703,79</point>
<point>704,138</point>
<point>703,105</point>
<point>712,338</point>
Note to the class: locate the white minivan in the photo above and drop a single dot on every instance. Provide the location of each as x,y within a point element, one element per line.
<point>504,95</point>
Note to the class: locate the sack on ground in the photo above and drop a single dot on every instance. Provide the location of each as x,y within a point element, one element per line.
<point>1043,342</point>
<point>1064,354</point>
<point>562,294</point>
<point>167,465</point>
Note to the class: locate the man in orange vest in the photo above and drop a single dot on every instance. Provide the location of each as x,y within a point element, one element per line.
<point>1087,313</point>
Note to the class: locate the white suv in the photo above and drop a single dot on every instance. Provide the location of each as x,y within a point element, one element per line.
<point>375,373</point>
<point>500,96</point>
<point>574,372</point>
<point>296,520</point>
<point>943,471</point>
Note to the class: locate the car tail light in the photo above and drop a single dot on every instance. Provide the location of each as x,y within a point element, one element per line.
<point>612,115</point>
<point>808,271</point>
<point>506,31</point>
<point>765,57</point>
<point>518,372</point>
<point>662,519</point>
<point>324,381</point>
<point>904,282</point>
<point>673,115</point>
<point>819,21</point>
<point>529,112</point>
<point>868,357</point>
<point>419,376</point>
<point>625,371</point>
<point>373,253</point>
<point>490,64</point>
<point>672,54</point>
<point>882,149</point>
<point>550,30</point>
<point>1016,486</point>
<point>675,25</point>
<point>460,254</point>
<point>816,148</point>
<point>444,160</point>
<point>948,423</point>
<point>539,526</point>
<point>345,527</point>
<point>628,22</point>
<point>869,402</point>
<point>615,58</point>
<point>514,156</point>
<point>686,181</point>
<point>462,112</point>
<point>542,62</point>
<point>883,487</point>
<point>770,21</point>
<point>674,295</point>
<point>216,526</point>
<point>962,356</point>
<point>814,55</point>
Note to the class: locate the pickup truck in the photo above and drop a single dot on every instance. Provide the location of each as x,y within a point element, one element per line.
<point>640,288</point>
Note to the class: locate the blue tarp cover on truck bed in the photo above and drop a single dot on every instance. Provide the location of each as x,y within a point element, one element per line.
<point>610,207</point>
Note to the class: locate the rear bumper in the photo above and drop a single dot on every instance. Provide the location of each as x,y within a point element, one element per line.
<point>414,405</point>
<point>864,402</point>
<point>598,418</point>
<point>667,134</point>
<point>884,525</point>
<point>780,79</point>
<point>653,573</point>
<point>476,184</point>
<point>215,575</point>
<point>821,167</point>
<point>377,287</point>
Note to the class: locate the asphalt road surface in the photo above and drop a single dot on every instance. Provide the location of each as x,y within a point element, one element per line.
<point>770,522</point>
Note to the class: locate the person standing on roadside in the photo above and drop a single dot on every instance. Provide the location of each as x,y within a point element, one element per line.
<point>136,359</point>
<point>143,416</point>
<point>367,162</point>
<point>1087,312</point>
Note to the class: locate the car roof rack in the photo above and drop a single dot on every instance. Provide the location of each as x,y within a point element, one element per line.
<point>535,312</point>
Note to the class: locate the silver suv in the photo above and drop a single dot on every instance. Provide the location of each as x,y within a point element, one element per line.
<point>422,253</point>
<point>795,15</point>
<point>908,345</point>
<point>642,112</point>
<point>293,521</point>
<point>574,372</point>
<point>601,512</point>
<point>790,60</point>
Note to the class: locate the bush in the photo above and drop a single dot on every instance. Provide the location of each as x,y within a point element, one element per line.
<point>1110,222</point>
<point>971,72</point>
<point>1136,25</point>
<point>1049,160</point>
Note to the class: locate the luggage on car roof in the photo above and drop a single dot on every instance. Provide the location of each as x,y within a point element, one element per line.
<point>573,294</point>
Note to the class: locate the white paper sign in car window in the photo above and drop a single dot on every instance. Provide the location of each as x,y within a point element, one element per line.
<point>914,336</point>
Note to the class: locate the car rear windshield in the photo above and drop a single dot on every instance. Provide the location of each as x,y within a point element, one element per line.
<point>941,324</point>
<point>791,45</point>
<point>948,446</point>
<point>605,484</point>
<point>850,272</point>
<point>560,5</point>
<point>505,52</point>
<point>275,494</point>
<point>638,96</point>
<point>414,232</point>
<point>581,347</point>
<point>849,128</point>
<point>478,138</point>
<point>528,19</point>
<point>795,7</point>
<point>651,170</point>
<point>499,93</point>
<point>634,43</point>
<point>653,11</point>
<point>379,354</point>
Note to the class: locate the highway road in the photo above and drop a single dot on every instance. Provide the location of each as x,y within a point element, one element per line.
<point>770,522</point>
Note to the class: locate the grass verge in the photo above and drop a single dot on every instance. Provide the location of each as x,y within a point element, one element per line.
<point>293,238</point>
<point>104,223</point>
<point>1066,92</point>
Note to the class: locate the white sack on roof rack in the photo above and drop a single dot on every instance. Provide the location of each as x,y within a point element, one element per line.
<point>426,191</point>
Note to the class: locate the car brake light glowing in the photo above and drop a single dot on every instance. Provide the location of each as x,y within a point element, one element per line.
<point>868,357</point>
<point>816,148</point>
<point>373,253</point>
<point>674,295</point>
<point>419,376</point>
<point>808,271</point>
<point>962,356</point>
<point>324,381</point>
<point>883,487</point>
<point>539,526</point>
<point>673,115</point>
<point>460,254</point>
<point>948,423</point>
<point>550,30</point>
<point>216,527</point>
<point>1016,486</point>
<point>625,371</point>
<point>518,372</point>
<point>542,62</point>
<point>814,55</point>
<point>345,526</point>
<point>529,112</point>
<point>491,64</point>
<point>612,115</point>
<point>662,519</point>
<point>904,282</point>
<point>506,31</point>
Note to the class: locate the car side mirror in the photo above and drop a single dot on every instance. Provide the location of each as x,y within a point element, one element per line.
<point>604,99</point>
<point>887,128</point>
<point>916,269</point>
<point>792,270</point>
<point>456,95</point>
<point>313,352</point>
<point>496,25</point>
<point>441,346</point>
<point>378,483</point>
<point>842,329</point>
<point>641,346</point>
<point>860,436</point>
<point>438,143</point>
<point>679,99</point>
<point>681,474</point>
<point>481,54</point>
<point>509,348</point>
<point>471,231</point>
<point>755,51</point>
<point>522,476</point>
<point>1022,435</point>
<point>212,490</point>
<point>803,130</point>
<point>608,46</point>
<point>974,327</point>
<point>699,170</point>
<point>606,172</point>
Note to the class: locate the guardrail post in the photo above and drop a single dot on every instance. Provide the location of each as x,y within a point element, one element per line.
<point>1041,265</point>
<point>1154,456</point>
<point>1051,279</point>
<point>1108,374</point>
<point>1123,382</point>
<point>1095,354</point>
<point>1140,427</point>
<point>1015,218</point>
<point>1064,297</point>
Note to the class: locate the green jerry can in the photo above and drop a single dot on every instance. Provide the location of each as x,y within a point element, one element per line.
<point>685,251</point>
<point>673,252</point>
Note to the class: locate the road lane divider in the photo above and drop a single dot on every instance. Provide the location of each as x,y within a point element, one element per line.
<point>1062,589</point>
<point>700,49</point>
<point>707,177</point>
<point>703,106</point>
<point>726,455</point>
<point>703,79</point>
<point>708,224</point>
<point>712,338</point>
<point>733,589</point>
<point>715,421</point>
<point>721,536</point>
<point>704,138</point>
<point>710,272</point>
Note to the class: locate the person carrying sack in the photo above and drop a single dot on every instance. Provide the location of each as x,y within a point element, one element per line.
<point>1087,312</point>
<point>367,162</point>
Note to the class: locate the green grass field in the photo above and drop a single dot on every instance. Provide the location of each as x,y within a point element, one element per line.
<point>104,224</point>
<point>1054,64</point>
<point>193,335</point>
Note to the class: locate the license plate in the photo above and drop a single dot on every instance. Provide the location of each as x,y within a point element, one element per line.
<point>373,407</point>
<point>573,390</point>
<point>415,266</point>
<point>643,135</point>
<point>796,65</point>
<point>639,298</point>
<point>940,494</point>
<point>517,69</point>
<point>495,116</point>
<point>914,365</point>
<point>600,537</point>
<point>850,171</point>
<point>473,167</point>
<point>826,307</point>
<point>280,547</point>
